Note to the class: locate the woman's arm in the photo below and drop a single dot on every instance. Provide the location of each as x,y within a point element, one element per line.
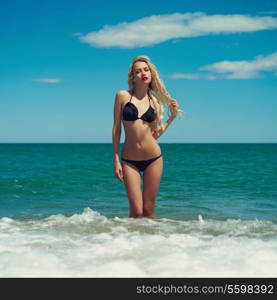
<point>116,132</point>
<point>157,133</point>
<point>174,110</point>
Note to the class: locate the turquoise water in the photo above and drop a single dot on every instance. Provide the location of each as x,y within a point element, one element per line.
<point>218,181</point>
<point>63,213</point>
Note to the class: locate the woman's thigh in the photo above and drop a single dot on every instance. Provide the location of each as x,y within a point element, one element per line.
<point>132,182</point>
<point>151,182</point>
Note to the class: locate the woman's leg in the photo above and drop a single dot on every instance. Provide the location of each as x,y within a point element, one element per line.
<point>151,182</point>
<point>132,181</point>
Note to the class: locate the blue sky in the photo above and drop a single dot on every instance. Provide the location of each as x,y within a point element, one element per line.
<point>63,61</point>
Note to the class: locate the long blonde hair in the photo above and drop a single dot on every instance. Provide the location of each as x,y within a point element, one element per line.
<point>156,87</point>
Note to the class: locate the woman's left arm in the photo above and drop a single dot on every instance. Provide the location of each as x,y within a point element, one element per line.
<point>174,111</point>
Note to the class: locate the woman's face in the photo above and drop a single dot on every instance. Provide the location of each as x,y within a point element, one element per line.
<point>142,73</point>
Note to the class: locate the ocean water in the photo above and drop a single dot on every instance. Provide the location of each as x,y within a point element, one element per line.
<point>64,214</point>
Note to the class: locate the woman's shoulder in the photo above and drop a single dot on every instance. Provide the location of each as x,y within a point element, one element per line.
<point>123,94</point>
<point>154,98</point>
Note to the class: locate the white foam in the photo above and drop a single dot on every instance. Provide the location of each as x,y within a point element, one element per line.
<point>91,245</point>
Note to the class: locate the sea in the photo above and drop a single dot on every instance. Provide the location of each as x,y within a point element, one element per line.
<point>64,214</point>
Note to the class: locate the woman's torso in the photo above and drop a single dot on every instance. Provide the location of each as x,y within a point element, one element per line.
<point>139,143</point>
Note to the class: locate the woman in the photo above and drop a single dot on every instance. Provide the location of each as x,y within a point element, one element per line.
<point>140,109</point>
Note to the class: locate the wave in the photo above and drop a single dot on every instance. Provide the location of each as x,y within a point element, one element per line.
<point>90,244</point>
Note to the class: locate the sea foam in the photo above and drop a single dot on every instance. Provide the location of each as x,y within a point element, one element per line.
<point>92,245</point>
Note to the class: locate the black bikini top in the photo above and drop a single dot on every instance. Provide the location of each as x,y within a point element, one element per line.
<point>130,112</point>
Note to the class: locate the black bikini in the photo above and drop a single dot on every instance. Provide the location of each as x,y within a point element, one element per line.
<point>130,113</point>
<point>141,165</point>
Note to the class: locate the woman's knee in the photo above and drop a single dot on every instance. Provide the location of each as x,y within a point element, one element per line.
<point>148,208</point>
<point>136,213</point>
<point>148,213</point>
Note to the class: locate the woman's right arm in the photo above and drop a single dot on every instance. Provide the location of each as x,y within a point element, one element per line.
<point>116,133</point>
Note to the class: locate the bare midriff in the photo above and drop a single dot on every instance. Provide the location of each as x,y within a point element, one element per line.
<point>139,143</point>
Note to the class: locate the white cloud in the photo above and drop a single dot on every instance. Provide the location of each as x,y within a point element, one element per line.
<point>48,80</point>
<point>235,69</point>
<point>185,76</point>
<point>193,76</point>
<point>159,28</point>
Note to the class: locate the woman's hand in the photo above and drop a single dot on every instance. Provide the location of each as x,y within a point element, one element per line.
<point>173,107</point>
<point>118,173</point>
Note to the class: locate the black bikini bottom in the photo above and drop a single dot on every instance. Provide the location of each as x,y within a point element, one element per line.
<point>141,165</point>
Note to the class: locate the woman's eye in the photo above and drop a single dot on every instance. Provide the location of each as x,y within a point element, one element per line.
<point>146,70</point>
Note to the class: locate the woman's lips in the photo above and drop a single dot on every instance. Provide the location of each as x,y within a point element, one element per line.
<point>144,78</point>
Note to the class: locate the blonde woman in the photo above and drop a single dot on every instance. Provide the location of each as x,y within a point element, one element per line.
<point>140,109</point>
